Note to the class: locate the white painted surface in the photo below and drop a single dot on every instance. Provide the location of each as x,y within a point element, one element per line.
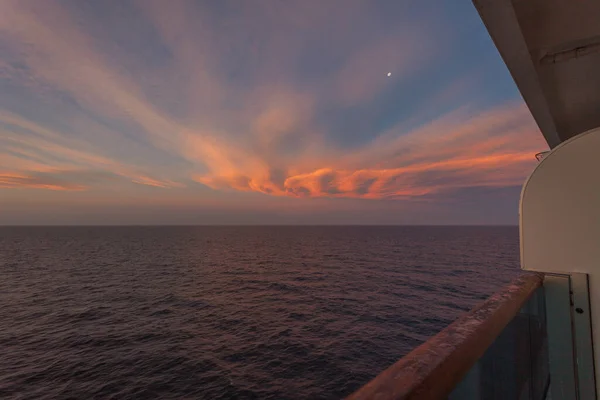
<point>560,218</point>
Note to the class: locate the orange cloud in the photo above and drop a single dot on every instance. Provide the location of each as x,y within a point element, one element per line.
<point>492,149</point>
<point>145,180</point>
<point>11,180</point>
<point>270,140</point>
<point>72,179</point>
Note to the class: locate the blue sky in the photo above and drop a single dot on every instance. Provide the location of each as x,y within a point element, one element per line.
<point>262,112</point>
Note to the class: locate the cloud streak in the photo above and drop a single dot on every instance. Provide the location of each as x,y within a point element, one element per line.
<point>494,148</point>
<point>240,98</point>
<point>12,180</point>
<point>36,157</point>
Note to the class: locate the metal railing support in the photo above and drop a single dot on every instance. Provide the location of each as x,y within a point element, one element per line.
<point>570,346</point>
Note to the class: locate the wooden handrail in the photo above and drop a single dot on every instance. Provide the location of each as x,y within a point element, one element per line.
<point>432,370</point>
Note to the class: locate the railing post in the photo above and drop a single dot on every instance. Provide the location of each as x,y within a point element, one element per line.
<point>560,339</point>
<point>570,346</point>
<point>584,349</point>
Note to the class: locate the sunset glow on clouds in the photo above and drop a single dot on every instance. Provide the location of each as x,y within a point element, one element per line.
<point>487,150</point>
<point>219,100</point>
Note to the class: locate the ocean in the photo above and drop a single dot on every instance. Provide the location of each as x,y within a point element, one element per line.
<point>231,312</point>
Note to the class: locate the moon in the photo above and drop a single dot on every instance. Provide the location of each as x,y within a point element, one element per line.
<point>389,74</point>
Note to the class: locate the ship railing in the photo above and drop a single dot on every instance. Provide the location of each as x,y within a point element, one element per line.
<point>529,341</point>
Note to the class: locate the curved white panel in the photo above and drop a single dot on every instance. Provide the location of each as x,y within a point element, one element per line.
<point>560,217</point>
<point>560,209</point>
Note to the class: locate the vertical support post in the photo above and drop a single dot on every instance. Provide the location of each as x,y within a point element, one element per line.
<point>582,331</point>
<point>560,340</point>
<point>535,308</point>
<point>570,347</point>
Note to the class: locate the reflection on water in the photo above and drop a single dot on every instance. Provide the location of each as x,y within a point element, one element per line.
<point>231,312</point>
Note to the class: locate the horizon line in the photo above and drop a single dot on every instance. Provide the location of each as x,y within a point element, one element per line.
<point>246,225</point>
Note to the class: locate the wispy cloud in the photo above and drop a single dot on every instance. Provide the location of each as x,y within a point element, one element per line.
<point>494,148</point>
<point>37,157</point>
<point>36,181</point>
<point>251,98</point>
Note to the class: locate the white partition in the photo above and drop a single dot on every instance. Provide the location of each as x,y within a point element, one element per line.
<point>560,218</point>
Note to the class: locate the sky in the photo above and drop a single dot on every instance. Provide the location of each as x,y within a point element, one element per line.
<point>257,112</point>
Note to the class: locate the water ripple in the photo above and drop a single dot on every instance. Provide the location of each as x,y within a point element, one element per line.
<point>230,312</point>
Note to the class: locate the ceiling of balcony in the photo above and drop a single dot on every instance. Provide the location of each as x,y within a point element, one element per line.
<point>552,49</point>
